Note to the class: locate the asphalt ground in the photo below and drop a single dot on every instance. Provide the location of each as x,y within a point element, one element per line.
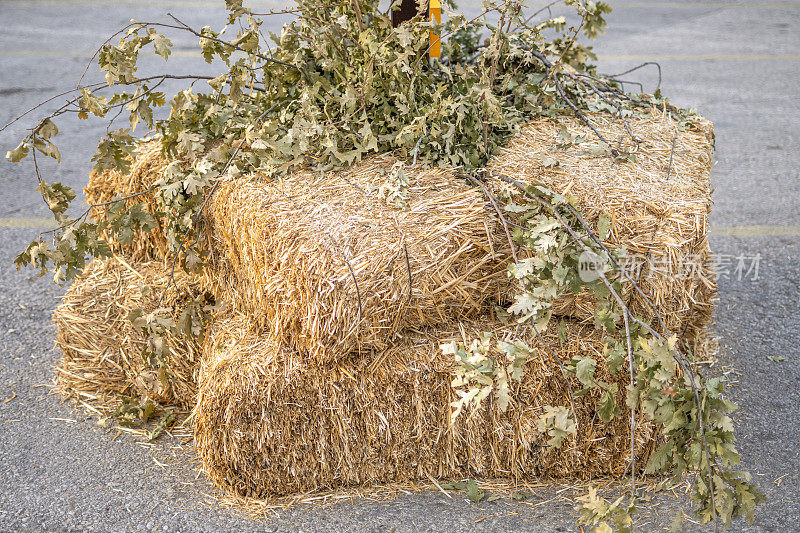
<point>738,63</point>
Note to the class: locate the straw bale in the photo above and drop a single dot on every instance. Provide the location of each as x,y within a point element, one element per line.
<point>662,221</point>
<point>102,350</point>
<point>147,166</point>
<point>332,268</point>
<point>271,422</point>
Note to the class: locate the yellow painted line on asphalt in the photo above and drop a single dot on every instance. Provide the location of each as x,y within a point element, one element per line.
<point>27,222</point>
<point>716,231</point>
<point>755,231</point>
<point>701,57</point>
<point>44,53</point>
<point>85,53</point>
<point>260,4</point>
<point>703,5</point>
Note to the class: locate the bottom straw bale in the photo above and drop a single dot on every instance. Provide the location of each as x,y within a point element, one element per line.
<point>269,422</point>
<point>102,351</point>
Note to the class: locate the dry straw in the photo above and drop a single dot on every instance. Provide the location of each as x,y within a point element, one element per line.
<point>102,351</point>
<point>331,267</point>
<point>350,386</point>
<point>658,205</point>
<point>270,421</point>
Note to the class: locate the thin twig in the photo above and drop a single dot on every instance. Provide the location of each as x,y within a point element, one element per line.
<point>498,211</point>
<point>408,266</point>
<point>630,82</point>
<point>61,109</point>
<point>563,371</point>
<point>566,49</point>
<point>671,153</point>
<point>633,410</point>
<point>594,89</point>
<point>646,63</point>
<point>547,7</point>
<point>548,66</point>
<point>191,30</point>
<point>581,115</point>
<point>441,39</point>
<point>357,9</point>
<point>341,251</point>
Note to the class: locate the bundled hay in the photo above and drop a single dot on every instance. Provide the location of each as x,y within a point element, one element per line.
<point>331,267</point>
<point>102,351</point>
<point>270,421</point>
<point>658,204</point>
<point>147,166</point>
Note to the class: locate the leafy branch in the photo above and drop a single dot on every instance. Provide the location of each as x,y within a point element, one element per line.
<point>664,385</point>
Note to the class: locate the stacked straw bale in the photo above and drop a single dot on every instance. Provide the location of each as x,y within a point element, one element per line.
<point>659,205</point>
<point>331,268</point>
<point>147,166</point>
<point>102,351</point>
<point>270,421</point>
<point>326,369</point>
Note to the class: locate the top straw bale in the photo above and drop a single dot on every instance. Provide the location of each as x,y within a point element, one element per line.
<point>658,203</point>
<point>334,268</point>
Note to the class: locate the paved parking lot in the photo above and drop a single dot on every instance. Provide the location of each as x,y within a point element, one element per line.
<point>738,63</point>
